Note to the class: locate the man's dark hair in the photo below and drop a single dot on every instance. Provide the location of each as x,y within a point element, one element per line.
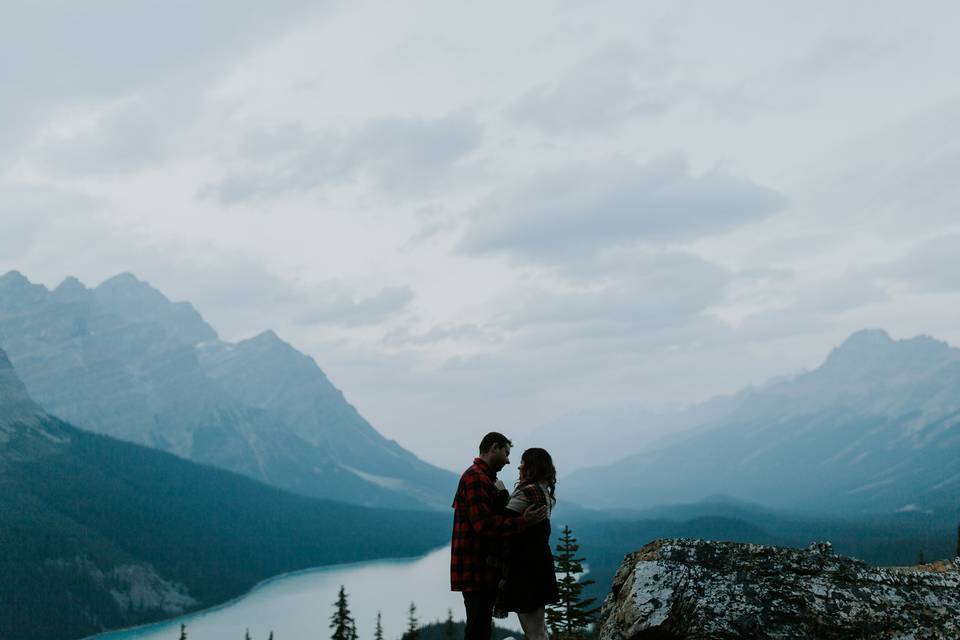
<point>493,438</point>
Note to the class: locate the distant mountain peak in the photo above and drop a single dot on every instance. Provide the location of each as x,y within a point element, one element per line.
<point>14,281</point>
<point>266,336</point>
<point>127,288</point>
<point>267,340</point>
<point>136,299</point>
<point>860,347</point>
<point>13,277</point>
<point>867,338</point>
<point>873,354</point>
<point>868,345</point>
<point>71,287</point>
<point>71,282</point>
<point>123,360</point>
<point>16,290</point>
<point>126,281</point>
<point>927,341</point>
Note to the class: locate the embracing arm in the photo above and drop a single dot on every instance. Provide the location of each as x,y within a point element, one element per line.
<point>481,500</point>
<point>486,521</point>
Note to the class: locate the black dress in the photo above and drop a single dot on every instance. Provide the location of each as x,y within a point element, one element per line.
<point>530,581</point>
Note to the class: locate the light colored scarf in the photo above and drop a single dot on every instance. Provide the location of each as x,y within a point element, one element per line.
<point>520,500</point>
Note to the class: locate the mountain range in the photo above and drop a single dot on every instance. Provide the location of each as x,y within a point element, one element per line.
<point>874,429</point>
<point>593,437</point>
<point>122,360</point>
<point>96,533</point>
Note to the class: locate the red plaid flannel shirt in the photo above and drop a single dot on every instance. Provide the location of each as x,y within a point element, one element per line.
<point>478,527</point>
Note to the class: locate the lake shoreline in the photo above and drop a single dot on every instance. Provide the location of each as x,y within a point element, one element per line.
<point>266,582</point>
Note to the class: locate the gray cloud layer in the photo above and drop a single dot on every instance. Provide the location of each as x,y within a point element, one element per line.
<point>652,291</point>
<point>598,94</point>
<point>57,56</point>
<point>397,155</point>
<point>558,258</point>
<point>590,207</point>
<point>337,305</point>
<point>931,267</point>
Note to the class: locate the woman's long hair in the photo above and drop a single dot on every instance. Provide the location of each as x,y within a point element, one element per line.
<point>538,467</point>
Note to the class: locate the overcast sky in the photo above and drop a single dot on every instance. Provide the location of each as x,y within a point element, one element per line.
<point>489,215</point>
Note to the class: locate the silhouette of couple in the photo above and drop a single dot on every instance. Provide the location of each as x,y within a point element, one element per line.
<point>500,557</point>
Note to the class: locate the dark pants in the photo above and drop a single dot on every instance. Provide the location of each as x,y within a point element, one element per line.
<point>479,605</point>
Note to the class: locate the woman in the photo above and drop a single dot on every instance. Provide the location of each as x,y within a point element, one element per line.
<point>529,581</point>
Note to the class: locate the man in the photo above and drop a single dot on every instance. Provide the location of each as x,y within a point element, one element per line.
<point>479,526</point>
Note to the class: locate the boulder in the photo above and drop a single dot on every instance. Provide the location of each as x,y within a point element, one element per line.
<point>699,590</point>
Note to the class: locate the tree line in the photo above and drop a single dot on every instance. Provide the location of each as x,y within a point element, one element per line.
<point>571,618</point>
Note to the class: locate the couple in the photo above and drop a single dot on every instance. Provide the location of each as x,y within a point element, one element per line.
<point>500,555</point>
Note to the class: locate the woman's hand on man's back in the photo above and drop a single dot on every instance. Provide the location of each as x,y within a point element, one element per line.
<point>535,514</point>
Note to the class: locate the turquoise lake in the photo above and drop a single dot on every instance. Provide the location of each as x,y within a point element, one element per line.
<point>297,606</point>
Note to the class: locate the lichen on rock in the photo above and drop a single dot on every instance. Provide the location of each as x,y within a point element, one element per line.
<point>702,590</point>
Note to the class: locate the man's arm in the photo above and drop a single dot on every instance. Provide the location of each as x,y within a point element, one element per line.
<point>484,520</point>
<point>500,497</point>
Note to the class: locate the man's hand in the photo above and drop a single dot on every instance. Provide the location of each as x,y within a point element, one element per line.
<point>534,514</point>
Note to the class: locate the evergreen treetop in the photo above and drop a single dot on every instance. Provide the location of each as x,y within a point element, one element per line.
<point>413,625</point>
<point>449,628</point>
<point>341,623</point>
<point>570,618</point>
<point>378,630</point>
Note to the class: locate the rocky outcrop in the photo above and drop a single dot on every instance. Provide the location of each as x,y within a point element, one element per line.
<point>699,590</point>
<point>16,403</point>
<point>136,587</point>
<point>24,432</point>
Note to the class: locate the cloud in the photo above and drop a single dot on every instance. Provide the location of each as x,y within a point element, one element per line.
<point>851,291</point>
<point>95,53</point>
<point>932,266</point>
<point>664,290</point>
<point>239,293</point>
<point>581,210</point>
<point>814,308</point>
<point>839,54</point>
<point>334,304</point>
<point>795,82</point>
<point>444,332</point>
<point>29,213</point>
<point>133,134</point>
<point>244,295</point>
<point>757,291</point>
<point>397,155</point>
<point>596,94</point>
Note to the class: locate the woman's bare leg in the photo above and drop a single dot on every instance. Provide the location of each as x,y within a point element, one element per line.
<point>533,624</point>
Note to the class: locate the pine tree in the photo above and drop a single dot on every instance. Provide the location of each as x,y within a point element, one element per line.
<point>449,629</point>
<point>920,558</point>
<point>570,618</point>
<point>246,636</point>
<point>342,624</point>
<point>271,636</point>
<point>413,625</point>
<point>378,630</point>
<point>183,632</point>
<point>958,541</point>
